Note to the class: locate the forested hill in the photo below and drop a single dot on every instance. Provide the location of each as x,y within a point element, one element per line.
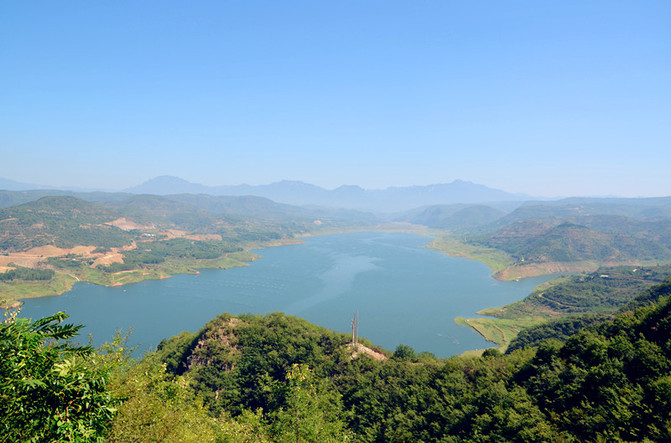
<point>534,241</point>
<point>67,221</point>
<point>591,307</point>
<point>606,382</point>
<point>114,239</point>
<point>564,236</point>
<point>280,378</point>
<point>61,221</point>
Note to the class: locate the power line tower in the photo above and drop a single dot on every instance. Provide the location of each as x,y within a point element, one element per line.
<point>355,328</point>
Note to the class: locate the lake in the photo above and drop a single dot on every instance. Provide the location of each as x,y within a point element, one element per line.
<point>403,292</point>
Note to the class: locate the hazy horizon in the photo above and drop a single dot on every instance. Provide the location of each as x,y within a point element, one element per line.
<point>523,195</point>
<point>548,99</point>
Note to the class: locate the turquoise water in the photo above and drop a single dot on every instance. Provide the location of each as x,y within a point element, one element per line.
<point>403,292</point>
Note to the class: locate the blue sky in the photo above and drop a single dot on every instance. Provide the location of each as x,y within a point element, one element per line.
<point>547,98</point>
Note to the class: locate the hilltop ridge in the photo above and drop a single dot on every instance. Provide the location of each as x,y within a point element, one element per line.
<point>392,199</point>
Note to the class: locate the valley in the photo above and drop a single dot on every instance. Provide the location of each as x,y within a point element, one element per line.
<point>113,239</point>
<point>335,222</point>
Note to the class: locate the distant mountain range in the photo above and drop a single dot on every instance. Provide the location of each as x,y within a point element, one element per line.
<point>527,238</point>
<point>569,235</point>
<point>11,185</point>
<point>390,200</point>
<point>394,199</point>
<point>84,219</point>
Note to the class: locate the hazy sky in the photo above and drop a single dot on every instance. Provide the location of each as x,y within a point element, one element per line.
<point>547,98</point>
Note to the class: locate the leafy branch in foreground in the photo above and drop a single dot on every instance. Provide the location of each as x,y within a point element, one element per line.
<point>50,390</point>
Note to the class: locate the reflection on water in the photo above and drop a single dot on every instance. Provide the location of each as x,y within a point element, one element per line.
<point>404,293</point>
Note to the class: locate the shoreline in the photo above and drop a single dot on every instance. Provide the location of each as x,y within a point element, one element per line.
<point>64,282</point>
<point>405,242</point>
<point>248,256</point>
<point>251,254</point>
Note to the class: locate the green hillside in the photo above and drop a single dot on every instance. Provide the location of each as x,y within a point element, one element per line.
<point>558,308</point>
<point>634,208</point>
<point>569,242</point>
<point>121,239</point>
<point>60,221</point>
<point>454,217</point>
<point>279,378</point>
<point>270,211</point>
<point>569,235</point>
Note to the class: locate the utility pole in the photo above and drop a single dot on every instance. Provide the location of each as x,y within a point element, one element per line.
<point>355,328</point>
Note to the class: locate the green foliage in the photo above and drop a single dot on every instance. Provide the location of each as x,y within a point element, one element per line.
<point>602,291</point>
<point>185,248</point>
<point>560,329</point>
<point>404,352</point>
<point>172,351</point>
<point>157,252</point>
<point>61,221</point>
<point>457,217</point>
<point>21,273</point>
<point>278,378</point>
<point>251,362</point>
<point>157,408</point>
<point>68,262</point>
<point>222,225</point>
<point>459,399</point>
<point>605,382</point>
<point>552,236</point>
<point>603,295</point>
<point>230,378</point>
<point>312,410</point>
<point>50,390</point>
<point>608,382</point>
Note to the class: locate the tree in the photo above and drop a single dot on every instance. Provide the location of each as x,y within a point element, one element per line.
<point>404,352</point>
<point>312,413</point>
<point>50,390</point>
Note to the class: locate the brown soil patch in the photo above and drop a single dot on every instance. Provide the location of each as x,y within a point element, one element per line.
<point>32,257</point>
<point>44,251</point>
<point>108,259</point>
<point>53,251</point>
<point>82,250</point>
<point>127,225</point>
<point>358,349</point>
<point>532,270</point>
<point>21,260</point>
<point>225,337</point>
<point>174,233</point>
<point>10,305</point>
<point>124,272</point>
<point>518,271</point>
<point>204,237</point>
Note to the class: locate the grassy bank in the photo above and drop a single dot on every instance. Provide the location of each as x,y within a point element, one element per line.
<point>68,272</point>
<point>64,279</point>
<point>12,291</point>
<point>496,259</point>
<point>601,292</point>
<point>497,330</point>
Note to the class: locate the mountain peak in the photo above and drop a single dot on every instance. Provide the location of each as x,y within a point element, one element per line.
<point>11,185</point>
<point>166,185</point>
<point>296,192</point>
